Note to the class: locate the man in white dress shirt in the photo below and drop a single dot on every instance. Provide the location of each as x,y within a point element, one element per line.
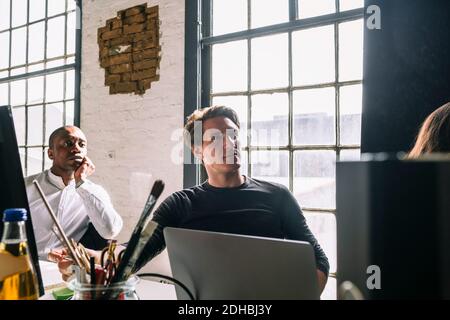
<point>77,202</point>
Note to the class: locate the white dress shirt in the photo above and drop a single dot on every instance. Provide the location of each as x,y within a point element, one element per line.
<point>74,208</point>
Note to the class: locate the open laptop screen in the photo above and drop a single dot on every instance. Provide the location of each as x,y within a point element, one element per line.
<point>221,266</point>
<point>12,186</point>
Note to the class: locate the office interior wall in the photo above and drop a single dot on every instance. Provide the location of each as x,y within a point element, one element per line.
<point>129,136</point>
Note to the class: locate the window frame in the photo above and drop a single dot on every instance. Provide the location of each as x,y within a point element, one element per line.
<point>75,66</point>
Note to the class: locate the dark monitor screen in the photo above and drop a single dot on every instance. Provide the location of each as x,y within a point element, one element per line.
<point>12,185</point>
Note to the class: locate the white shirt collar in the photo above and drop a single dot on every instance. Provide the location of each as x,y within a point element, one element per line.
<point>57,181</point>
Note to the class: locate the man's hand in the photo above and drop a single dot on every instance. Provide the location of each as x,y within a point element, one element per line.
<point>65,262</point>
<point>85,169</point>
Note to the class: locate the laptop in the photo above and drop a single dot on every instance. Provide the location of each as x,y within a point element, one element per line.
<point>221,266</point>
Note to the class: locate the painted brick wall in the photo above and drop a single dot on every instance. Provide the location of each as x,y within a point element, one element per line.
<point>129,136</point>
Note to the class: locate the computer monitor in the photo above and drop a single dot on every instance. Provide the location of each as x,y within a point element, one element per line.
<point>12,186</point>
<point>393,222</point>
<point>220,266</point>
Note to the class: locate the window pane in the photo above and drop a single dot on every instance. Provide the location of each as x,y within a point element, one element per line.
<point>350,110</point>
<point>267,12</point>
<point>4,74</point>
<point>4,15</point>
<point>18,46</point>
<point>229,66</point>
<point>36,67</point>
<point>70,112</point>
<point>22,159</point>
<point>323,227</point>
<point>19,12</point>
<point>54,90</point>
<point>313,56</point>
<point>314,116</point>
<point>350,155</point>
<point>271,166</point>
<point>17,71</point>
<point>350,4</point>
<point>4,52</point>
<point>314,179</point>
<point>54,118</point>
<point>55,37</point>
<point>36,42</point>
<point>351,50</point>
<point>71,32</point>
<point>270,119</point>
<point>35,125</point>
<point>34,162</point>
<point>56,7</point>
<point>270,62</point>
<point>37,10</point>
<point>35,90</point>
<point>19,124</point>
<point>244,163</point>
<point>71,5</point>
<point>313,8</point>
<point>70,84</point>
<point>229,16</point>
<point>55,63</point>
<point>238,104</point>
<point>4,94</point>
<point>18,93</point>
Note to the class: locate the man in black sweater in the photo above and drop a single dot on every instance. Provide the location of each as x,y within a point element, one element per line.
<point>228,201</point>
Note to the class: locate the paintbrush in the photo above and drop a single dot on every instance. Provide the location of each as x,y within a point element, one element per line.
<point>66,242</point>
<point>156,191</point>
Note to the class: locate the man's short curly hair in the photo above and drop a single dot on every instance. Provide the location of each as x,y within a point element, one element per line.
<point>204,114</point>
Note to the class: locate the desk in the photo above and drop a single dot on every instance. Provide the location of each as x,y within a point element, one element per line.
<point>145,289</point>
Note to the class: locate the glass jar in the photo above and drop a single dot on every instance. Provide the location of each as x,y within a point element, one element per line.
<point>118,291</point>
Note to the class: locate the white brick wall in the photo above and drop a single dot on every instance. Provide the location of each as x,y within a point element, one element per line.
<point>129,135</point>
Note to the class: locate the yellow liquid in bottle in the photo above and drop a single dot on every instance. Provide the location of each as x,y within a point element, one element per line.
<point>18,280</point>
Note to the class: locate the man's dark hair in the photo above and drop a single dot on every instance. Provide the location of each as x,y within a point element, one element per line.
<point>205,114</point>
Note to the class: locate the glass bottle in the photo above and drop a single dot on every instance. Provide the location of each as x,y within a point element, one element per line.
<point>18,280</point>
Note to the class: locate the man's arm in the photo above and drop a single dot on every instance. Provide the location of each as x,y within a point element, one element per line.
<point>100,210</point>
<point>296,228</point>
<point>167,215</point>
<point>322,279</point>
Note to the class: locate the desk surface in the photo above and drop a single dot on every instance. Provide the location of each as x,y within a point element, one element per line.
<point>145,289</point>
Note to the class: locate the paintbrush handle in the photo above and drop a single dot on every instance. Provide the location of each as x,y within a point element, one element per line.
<point>60,229</point>
<point>143,239</point>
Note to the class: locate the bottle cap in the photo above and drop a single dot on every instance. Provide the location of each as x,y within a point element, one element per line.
<point>15,214</point>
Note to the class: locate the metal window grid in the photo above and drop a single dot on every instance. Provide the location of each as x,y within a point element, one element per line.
<point>76,66</point>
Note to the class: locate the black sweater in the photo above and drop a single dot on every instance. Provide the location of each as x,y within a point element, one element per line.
<point>256,208</point>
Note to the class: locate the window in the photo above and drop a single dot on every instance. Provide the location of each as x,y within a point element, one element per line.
<point>292,70</point>
<point>38,72</point>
